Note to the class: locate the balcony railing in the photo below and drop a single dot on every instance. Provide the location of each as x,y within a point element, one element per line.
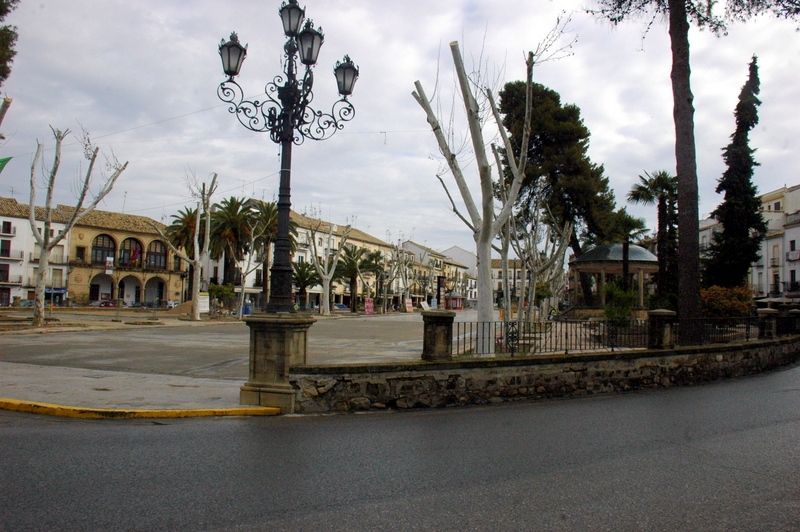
<point>48,283</point>
<point>791,286</point>
<point>775,261</point>
<point>793,255</point>
<point>10,279</point>
<point>12,255</point>
<point>8,231</point>
<point>54,259</point>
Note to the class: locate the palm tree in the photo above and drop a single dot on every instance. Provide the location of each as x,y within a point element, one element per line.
<point>231,226</point>
<point>660,188</point>
<point>266,218</point>
<point>181,233</point>
<point>304,276</point>
<point>372,263</point>
<point>349,268</point>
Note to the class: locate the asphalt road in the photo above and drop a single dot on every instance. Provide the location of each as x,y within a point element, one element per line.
<point>724,456</point>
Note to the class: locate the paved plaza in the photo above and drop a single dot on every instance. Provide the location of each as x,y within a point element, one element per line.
<point>130,362</point>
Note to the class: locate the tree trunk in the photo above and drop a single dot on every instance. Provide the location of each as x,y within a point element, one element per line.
<point>689,306</point>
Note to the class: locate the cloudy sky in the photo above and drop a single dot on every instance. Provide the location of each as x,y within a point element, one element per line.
<point>141,77</point>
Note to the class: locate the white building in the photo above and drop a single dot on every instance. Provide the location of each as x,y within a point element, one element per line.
<point>19,256</point>
<point>775,274</point>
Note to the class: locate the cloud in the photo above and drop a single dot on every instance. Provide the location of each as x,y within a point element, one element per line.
<point>142,78</point>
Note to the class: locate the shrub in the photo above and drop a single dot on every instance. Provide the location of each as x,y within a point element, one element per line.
<point>619,305</point>
<point>224,293</point>
<point>721,302</point>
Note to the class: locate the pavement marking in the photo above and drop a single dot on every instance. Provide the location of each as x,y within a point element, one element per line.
<point>32,407</point>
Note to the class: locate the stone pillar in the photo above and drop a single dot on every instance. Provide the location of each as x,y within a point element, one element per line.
<point>641,287</point>
<point>437,342</point>
<point>659,329</point>
<point>767,322</point>
<point>602,288</point>
<point>277,342</point>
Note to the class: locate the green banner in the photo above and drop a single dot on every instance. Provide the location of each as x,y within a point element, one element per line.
<point>3,162</point>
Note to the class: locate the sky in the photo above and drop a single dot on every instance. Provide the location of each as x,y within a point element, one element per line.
<point>141,77</point>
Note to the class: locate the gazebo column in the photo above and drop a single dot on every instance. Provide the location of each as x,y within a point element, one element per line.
<point>577,279</point>
<point>602,287</point>
<point>641,287</point>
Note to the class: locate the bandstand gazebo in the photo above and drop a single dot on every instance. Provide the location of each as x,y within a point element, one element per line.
<point>607,259</point>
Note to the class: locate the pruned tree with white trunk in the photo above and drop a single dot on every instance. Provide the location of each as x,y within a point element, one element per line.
<point>325,263</point>
<point>199,258</point>
<point>483,219</point>
<point>42,235</point>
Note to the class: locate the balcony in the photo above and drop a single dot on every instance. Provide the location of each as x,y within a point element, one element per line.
<point>8,254</point>
<point>54,258</point>
<point>7,230</point>
<point>48,284</point>
<point>793,255</point>
<point>10,279</point>
<point>791,286</point>
<point>775,262</point>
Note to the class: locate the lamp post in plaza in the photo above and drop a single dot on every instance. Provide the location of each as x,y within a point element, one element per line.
<point>279,339</point>
<point>287,116</point>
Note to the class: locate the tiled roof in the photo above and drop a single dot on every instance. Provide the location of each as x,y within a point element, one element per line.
<point>97,219</point>
<point>512,263</point>
<point>323,227</point>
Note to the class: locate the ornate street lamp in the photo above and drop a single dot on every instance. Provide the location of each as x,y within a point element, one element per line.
<point>288,118</point>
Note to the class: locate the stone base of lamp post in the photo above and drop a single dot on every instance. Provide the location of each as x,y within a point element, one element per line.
<point>437,343</point>
<point>277,342</point>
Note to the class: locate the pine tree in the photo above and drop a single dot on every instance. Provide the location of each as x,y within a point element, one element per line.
<point>736,247</point>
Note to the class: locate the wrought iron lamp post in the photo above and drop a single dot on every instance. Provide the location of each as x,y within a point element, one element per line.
<point>287,116</point>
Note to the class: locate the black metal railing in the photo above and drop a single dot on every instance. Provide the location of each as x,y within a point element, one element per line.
<point>703,331</point>
<point>534,338</point>
<point>556,337</point>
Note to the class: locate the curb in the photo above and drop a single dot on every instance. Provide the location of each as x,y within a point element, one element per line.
<point>113,413</point>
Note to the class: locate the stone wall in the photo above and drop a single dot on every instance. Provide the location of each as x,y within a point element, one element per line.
<point>497,380</point>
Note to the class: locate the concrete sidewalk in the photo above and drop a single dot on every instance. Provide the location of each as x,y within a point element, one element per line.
<point>77,392</point>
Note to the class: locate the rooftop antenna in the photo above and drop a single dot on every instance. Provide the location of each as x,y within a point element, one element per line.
<point>124,199</point>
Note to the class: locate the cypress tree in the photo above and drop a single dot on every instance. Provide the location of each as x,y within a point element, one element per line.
<point>736,247</point>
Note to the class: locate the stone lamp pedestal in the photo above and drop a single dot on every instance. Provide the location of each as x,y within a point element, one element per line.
<point>437,343</point>
<point>277,342</point>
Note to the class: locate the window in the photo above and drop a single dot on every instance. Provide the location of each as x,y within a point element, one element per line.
<point>80,253</point>
<point>792,245</point>
<point>130,253</point>
<point>5,248</point>
<point>102,247</point>
<point>177,264</point>
<point>6,228</point>
<point>157,255</point>
<point>777,206</point>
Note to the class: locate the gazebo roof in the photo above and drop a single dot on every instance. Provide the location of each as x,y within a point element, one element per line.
<point>608,257</point>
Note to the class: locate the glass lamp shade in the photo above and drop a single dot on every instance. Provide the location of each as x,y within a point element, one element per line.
<point>232,54</point>
<point>309,41</point>
<point>292,16</point>
<point>346,75</point>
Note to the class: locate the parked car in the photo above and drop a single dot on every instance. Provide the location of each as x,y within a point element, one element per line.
<point>27,303</point>
<point>102,304</point>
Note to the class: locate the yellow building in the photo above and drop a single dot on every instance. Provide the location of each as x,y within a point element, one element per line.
<point>121,256</point>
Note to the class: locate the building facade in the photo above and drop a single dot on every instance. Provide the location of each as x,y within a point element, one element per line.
<point>106,256</point>
<point>776,273</point>
<point>19,256</point>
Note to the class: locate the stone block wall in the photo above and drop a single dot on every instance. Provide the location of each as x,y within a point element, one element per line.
<point>485,381</point>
